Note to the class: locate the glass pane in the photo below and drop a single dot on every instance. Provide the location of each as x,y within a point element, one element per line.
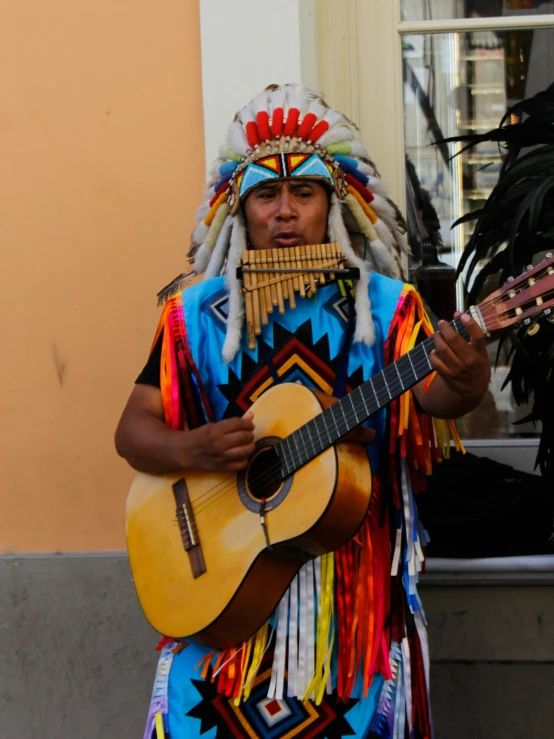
<point>425,10</point>
<point>455,84</point>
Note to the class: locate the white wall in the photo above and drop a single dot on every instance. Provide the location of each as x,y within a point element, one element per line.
<point>246,45</point>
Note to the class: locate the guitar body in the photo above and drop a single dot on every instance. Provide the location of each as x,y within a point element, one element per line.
<point>207,573</point>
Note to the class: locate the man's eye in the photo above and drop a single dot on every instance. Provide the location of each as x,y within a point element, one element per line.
<point>304,193</point>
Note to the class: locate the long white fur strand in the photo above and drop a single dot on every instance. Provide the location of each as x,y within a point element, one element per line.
<point>220,250</point>
<point>365,331</point>
<point>235,318</point>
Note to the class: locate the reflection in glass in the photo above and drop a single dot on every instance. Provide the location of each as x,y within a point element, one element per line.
<point>456,84</point>
<point>425,10</point>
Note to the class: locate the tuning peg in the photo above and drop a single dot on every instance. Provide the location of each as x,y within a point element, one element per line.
<point>547,256</point>
<point>533,329</point>
<point>548,315</point>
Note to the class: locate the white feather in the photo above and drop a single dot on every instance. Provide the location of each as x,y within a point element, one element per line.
<point>383,209</point>
<point>202,259</point>
<point>246,115</point>
<point>375,184</point>
<point>358,149</point>
<point>203,210</point>
<point>336,135</point>
<point>199,234</point>
<point>259,103</point>
<point>236,301</point>
<point>362,221</point>
<point>236,139</point>
<point>317,109</point>
<point>384,260</point>
<point>276,99</point>
<point>293,98</point>
<point>333,117</point>
<point>216,226</point>
<point>220,250</point>
<point>365,331</point>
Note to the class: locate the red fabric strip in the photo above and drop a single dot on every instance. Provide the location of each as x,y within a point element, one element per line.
<point>263,125</point>
<point>292,121</point>
<point>277,121</point>
<point>364,192</point>
<point>306,126</point>
<point>252,134</point>
<point>317,131</point>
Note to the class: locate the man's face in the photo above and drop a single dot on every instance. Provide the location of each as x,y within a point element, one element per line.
<point>285,213</point>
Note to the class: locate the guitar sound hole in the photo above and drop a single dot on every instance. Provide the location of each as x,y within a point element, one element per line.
<point>263,477</point>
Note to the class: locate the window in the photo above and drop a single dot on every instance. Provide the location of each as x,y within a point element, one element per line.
<point>412,71</point>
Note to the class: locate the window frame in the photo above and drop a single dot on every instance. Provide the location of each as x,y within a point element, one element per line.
<point>358,67</point>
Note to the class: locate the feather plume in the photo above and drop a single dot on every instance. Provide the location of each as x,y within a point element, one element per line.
<point>220,250</point>
<point>201,259</point>
<point>259,104</point>
<point>247,115</point>
<point>335,135</point>
<point>276,99</point>
<point>293,98</point>
<point>375,184</point>
<point>333,117</point>
<point>199,234</point>
<point>236,139</point>
<point>217,224</point>
<point>362,221</point>
<point>386,264</point>
<point>317,109</point>
<point>203,210</point>
<point>174,287</point>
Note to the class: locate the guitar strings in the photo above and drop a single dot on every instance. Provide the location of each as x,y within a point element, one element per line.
<point>223,488</point>
<point>268,475</point>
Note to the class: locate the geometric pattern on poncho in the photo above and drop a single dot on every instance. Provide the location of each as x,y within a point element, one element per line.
<point>264,718</point>
<point>293,362</point>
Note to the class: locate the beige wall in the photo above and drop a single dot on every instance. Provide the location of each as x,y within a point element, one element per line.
<point>102,163</point>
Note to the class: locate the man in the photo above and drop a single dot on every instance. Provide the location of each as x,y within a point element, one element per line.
<point>291,174</point>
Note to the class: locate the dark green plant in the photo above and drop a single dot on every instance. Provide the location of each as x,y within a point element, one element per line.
<point>514,229</point>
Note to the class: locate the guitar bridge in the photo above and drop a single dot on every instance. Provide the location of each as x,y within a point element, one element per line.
<point>187,528</point>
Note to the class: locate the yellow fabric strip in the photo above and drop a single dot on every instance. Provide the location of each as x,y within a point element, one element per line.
<point>260,644</point>
<point>325,637</point>
<point>364,206</point>
<point>160,733</point>
<point>215,207</point>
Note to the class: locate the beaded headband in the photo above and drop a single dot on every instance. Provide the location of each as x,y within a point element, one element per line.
<point>278,166</point>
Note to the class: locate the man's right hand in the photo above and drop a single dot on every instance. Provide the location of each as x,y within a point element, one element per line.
<point>221,447</point>
<point>145,441</point>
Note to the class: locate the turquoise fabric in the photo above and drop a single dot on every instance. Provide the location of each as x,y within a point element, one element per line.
<point>193,708</point>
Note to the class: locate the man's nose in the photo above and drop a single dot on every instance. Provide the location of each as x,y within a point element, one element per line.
<point>285,206</point>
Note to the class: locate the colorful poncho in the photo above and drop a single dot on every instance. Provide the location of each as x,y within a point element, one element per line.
<point>345,653</point>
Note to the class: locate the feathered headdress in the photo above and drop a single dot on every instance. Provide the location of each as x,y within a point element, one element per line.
<point>294,120</point>
<point>514,228</point>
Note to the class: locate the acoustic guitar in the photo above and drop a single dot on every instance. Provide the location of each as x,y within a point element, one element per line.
<point>212,554</point>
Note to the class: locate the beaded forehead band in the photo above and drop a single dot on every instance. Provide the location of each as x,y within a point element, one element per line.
<point>278,166</point>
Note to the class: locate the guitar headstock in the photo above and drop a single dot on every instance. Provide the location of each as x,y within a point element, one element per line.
<point>520,299</point>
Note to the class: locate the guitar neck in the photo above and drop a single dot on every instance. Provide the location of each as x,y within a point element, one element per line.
<point>339,419</point>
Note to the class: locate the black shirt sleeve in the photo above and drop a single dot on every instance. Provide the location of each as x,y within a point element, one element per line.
<point>150,374</point>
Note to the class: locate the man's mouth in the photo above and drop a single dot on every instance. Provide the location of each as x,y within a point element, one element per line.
<point>287,238</point>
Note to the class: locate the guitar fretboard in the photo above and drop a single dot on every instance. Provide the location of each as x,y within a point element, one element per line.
<point>332,424</point>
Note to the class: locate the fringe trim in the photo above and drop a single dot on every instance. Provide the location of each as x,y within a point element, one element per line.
<point>355,605</point>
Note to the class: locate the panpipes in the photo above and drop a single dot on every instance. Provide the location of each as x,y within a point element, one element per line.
<point>272,276</point>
